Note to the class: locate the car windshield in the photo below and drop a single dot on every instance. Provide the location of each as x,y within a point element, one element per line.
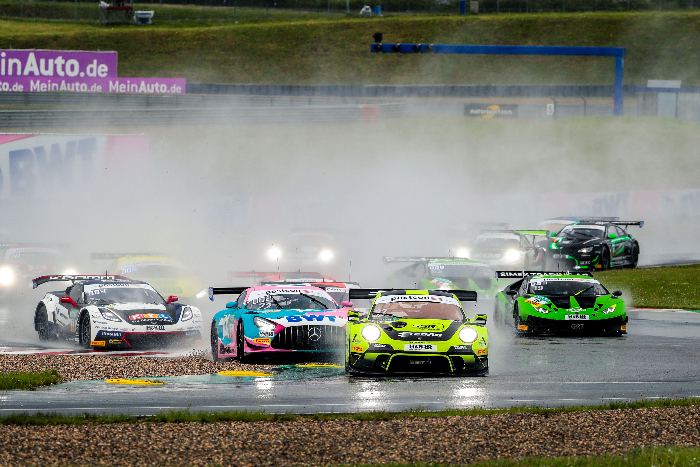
<point>290,301</point>
<point>582,231</point>
<point>416,310</point>
<point>577,287</point>
<point>460,270</point>
<point>150,271</point>
<point>121,293</point>
<point>496,243</point>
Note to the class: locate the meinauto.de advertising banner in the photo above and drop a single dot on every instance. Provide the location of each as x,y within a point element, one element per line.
<point>76,71</point>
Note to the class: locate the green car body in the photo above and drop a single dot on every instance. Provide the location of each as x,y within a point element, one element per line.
<point>403,334</point>
<point>555,303</point>
<point>449,273</point>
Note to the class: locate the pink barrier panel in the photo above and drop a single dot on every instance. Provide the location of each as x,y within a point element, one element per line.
<point>58,64</point>
<point>132,85</point>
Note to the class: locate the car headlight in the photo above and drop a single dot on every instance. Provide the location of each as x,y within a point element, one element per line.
<point>274,253</point>
<point>461,253</point>
<point>371,332</point>
<point>69,272</point>
<point>186,314</point>
<point>468,335</point>
<point>608,310</point>
<point>325,255</point>
<point>264,324</point>
<point>512,256</point>
<point>586,250</point>
<point>109,315</point>
<point>7,276</point>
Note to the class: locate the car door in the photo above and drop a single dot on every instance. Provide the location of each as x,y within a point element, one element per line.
<point>620,244</point>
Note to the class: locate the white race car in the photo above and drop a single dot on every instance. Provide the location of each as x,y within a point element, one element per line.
<point>113,312</point>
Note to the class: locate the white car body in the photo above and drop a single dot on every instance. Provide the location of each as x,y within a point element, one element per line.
<point>123,325</point>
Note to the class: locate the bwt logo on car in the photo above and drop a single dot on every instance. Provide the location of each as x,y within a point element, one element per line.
<point>30,167</point>
<point>299,319</point>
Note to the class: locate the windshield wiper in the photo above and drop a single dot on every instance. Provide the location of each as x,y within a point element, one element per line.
<point>584,290</point>
<point>315,300</point>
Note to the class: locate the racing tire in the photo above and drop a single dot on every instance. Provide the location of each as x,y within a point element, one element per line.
<point>42,324</point>
<point>84,331</point>
<point>240,343</point>
<point>214,341</point>
<point>605,260</point>
<point>634,257</point>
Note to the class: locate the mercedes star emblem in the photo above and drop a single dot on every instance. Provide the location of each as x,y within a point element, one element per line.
<point>314,333</point>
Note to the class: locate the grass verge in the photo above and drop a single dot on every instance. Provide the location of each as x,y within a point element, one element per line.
<point>22,380</point>
<point>657,456</point>
<point>186,416</point>
<point>664,287</point>
<point>292,48</point>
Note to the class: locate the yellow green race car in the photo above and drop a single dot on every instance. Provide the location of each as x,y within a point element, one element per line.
<point>416,332</point>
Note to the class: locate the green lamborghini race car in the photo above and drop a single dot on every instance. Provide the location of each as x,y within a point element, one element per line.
<point>559,303</point>
<point>416,332</point>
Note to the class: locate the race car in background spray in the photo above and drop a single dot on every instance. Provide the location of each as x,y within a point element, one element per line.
<point>21,262</point>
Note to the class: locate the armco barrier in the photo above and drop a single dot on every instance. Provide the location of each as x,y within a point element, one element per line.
<point>418,91</point>
<point>189,116</point>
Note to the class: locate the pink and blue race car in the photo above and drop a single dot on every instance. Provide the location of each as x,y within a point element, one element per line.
<point>277,318</point>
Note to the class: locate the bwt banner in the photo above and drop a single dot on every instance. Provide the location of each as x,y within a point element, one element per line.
<point>38,164</point>
<point>77,71</point>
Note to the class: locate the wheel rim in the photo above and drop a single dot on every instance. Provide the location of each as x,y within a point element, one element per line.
<point>43,325</point>
<point>85,331</point>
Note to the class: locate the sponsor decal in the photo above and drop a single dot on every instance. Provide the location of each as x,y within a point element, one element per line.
<point>491,111</point>
<point>260,340</point>
<point>610,309</point>
<point>462,347</point>
<point>109,334</point>
<point>266,333</point>
<point>577,326</point>
<point>97,343</point>
<point>419,334</point>
<point>537,301</point>
<point>357,348</point>
<point>309,317</point>
<point>140,317</point>
<point>623,327</point>
<point>159,327</point>
<point>576,317</point>
<point>522,327</point>
<point>428,326</point>
<point>115,341</point>
<point>417,298</point>
<point>420,348</point>
<point>314,333</point>
<point>481,352</point>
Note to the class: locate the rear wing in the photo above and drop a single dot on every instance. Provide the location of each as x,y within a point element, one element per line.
<point>104,256</point>
<point>55,246</point>
<point>521,274</point>
<point>72,278</point>
<point>640,224</point>
<point>369,294</point>
<point>225,291</point>
<point>581,218</point>
<point>275,276</point>
<point>541,233</point>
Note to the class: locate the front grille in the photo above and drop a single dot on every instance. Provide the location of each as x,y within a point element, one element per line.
<point>153,339</point>
<point>310,337</point>
<point>419,364</point>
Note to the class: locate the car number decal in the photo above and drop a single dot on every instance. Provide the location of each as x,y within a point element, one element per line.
<point>420,347</point>
<point>577,317</point>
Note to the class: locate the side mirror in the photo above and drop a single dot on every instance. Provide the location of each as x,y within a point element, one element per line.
<point>171,299</point>
<point>511,293</point>
<point>346,303</point>
<point>232,305</point>
<point>480,319</point>
<point>612,236</point>
<point>617,294</point>
<point>353,315</point>
<point>70,301</point>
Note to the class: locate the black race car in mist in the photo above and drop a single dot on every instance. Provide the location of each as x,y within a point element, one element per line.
<point>593,245</point>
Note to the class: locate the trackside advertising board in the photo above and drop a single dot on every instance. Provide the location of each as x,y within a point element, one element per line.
<point>39,164</point>
<point>76,71</point>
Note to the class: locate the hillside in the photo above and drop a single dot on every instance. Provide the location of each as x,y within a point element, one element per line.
<point>325,50</point>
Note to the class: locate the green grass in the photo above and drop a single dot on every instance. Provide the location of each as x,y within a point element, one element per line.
<point>658,456</point>
<point>294,48</point>
<point>21,380</point>
<point>186,416</point>
<point>664,287</point>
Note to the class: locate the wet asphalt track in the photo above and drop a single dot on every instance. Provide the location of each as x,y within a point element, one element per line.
<point>657,359</point>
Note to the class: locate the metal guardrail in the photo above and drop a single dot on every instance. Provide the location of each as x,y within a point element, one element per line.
<point>188,116</point>
<point>155,101</point>
<point>418,91</point>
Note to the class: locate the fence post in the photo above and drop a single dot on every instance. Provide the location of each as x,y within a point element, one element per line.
<point>618,90</point>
